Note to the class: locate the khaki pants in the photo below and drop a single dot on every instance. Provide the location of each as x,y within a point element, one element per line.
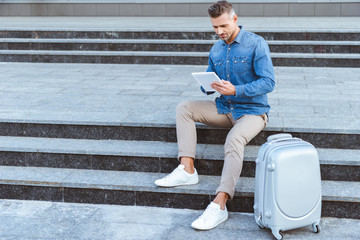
<point>242,131</point>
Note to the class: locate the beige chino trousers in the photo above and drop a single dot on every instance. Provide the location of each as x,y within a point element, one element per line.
<point>242,131</point>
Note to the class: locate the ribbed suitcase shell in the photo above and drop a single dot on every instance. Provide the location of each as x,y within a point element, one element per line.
<point>287,185</point>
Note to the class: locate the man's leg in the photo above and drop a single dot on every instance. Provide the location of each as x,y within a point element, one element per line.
<point>187,113</point>
<point>245,129</point>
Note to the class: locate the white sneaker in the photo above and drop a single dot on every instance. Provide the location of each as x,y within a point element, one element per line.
<point>211,217</point>
<point>178,177</point>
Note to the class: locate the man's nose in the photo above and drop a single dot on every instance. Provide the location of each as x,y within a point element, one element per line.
<point>219,31</point>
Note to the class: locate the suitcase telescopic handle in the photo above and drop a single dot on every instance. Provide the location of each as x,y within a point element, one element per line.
<point>279,137</point>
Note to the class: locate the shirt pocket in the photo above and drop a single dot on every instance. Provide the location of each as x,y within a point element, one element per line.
<point>240,65</point>
<point>219,67</point>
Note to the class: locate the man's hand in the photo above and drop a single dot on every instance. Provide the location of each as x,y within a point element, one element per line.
<point>225,88</point>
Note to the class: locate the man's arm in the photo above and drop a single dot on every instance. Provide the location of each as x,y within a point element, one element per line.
<point>264,69</point>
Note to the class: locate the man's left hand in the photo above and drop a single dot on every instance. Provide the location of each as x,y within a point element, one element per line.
<point>225,88</point>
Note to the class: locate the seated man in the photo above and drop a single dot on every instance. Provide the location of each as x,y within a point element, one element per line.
<point>243,60</point>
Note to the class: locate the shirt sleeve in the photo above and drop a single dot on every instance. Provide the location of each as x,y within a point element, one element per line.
<point>264,70</point>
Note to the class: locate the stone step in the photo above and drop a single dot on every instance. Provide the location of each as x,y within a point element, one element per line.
<point>320,138</point>
<point>150,156</point>
<point>279,34</point>
<point>82,221</point>
<point>181,8</point>
<point>182,58</point>
<point>168,45</point>
<point>69,101</point>
<point>340,199</point>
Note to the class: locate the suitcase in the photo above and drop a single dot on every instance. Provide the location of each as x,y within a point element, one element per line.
<point>287,185</point>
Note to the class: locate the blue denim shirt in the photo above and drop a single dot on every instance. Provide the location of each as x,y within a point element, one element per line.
<point>247,64</point>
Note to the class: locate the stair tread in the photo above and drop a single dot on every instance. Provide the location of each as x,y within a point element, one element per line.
<point>151,149</point>
<point>141,181</point>
<point>174,54</point>
<point>300,101</point>
<point>167,41</point>
<point>182,24</point>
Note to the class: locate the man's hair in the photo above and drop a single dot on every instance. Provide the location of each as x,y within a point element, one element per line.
<point>219,8</point>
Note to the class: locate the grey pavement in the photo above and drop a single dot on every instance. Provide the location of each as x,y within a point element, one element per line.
<point>306,99</point>
<point>50,220</point>
<point>336,24</point>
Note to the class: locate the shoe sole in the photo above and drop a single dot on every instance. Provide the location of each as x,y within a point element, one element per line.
<point>205,229</point>
<point>183,184</point>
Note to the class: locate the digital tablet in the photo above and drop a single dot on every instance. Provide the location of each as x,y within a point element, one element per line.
<point>205,79</point>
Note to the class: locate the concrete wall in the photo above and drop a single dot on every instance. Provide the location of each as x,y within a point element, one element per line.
<point>175,8</point>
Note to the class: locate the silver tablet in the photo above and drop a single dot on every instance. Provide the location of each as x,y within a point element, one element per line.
<point>205,79</point>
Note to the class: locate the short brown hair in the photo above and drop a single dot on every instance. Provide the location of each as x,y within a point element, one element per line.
<point>219,8</point>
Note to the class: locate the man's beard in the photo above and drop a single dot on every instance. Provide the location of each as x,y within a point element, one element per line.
<point>225,37</point>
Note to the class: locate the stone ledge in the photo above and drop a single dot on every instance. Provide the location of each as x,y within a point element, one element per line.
<point>150,156</point>
<point>133,188</point>
<point>322,139</point>
<point>176,58</point>
<point>151,149</point>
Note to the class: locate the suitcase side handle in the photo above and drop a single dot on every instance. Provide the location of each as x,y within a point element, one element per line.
<point>279,136</point>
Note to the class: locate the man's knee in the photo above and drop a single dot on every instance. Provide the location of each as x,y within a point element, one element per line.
<point>235,142</point>
<point>183,107</point>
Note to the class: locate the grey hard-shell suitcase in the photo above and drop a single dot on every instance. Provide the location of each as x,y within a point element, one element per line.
<point>287,185</point>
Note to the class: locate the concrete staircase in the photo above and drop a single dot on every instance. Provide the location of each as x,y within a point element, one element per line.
<point>291,48</point>
<point>79,133</point>
<point>107,147</point>
<point>122,172</point>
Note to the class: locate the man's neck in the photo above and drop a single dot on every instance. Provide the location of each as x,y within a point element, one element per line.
<point>233,36</point>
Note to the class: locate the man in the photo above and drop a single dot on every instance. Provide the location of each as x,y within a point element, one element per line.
<point>243,60</point>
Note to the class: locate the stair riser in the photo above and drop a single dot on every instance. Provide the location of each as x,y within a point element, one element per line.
<point>180,60</point>
<point>330,208</point>
<point>166,134</point>
<point>169,47</point>
<point>313,36</point>
<point>150,164</point>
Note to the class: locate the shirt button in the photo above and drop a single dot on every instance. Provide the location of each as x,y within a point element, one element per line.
<point>229,48</point>
<point>227,60</point>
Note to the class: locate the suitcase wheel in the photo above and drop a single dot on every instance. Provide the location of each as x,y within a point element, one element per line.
<point>277,234</point>
<point>316,228</point>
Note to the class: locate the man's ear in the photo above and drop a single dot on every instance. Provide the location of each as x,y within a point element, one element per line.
<point>235,18</point>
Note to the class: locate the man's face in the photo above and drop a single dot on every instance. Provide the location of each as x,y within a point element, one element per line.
<point>224,26</point>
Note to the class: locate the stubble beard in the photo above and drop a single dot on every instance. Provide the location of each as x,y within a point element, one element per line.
<point>228,35</point>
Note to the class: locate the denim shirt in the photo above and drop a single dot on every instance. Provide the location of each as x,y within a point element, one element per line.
<point>247,64</point>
